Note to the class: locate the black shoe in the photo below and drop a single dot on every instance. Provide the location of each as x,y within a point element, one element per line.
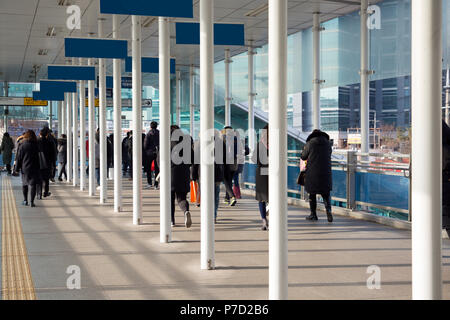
<point>47,194</point>
<point>312,217</point>
<point>330,217</point>
<point>265,225</point>
<point>33,205</point>
<point>25,203</point>
<point>59,179</point>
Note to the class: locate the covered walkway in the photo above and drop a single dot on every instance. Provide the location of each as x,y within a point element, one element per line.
<point>119,260</point>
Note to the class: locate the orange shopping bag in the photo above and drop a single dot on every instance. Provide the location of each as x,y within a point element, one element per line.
<point>195,196</point>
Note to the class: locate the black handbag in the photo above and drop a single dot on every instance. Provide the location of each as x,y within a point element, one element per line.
<point>301,178</point>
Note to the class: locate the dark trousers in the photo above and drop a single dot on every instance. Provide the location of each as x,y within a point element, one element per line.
<point>313,202</point>
<point>44,187</point>
<point>63,171</point>
<point>182,202</point>
<point>262,210</point>
<point>8,168</point>
<point>228,181</point>
<point>32,189</point>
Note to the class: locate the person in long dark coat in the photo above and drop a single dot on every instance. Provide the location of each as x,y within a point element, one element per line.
<point>46,146</point>
<point>318,179</point>
<point>6,149</point>
<point>151,146</point>
<point>62,156</point>
<point>180,178</point>
<point>52,139</point>
<point>27,163</point>
<point>446,177</point>
<point>125,156</point>
<point>262,175</point>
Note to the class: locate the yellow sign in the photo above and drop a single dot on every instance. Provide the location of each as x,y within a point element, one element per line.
<point>97,102</point>
<point>35,103</point>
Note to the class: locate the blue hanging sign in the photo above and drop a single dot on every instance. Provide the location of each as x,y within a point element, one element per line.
<point>95,48</point>
<point>166,8</point>
<point>63,72</point>
<point>149,65</point>
<point>62,86</point>
<point>224,34</point>
<point>51,96</point>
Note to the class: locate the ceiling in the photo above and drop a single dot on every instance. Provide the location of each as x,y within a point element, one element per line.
<point>24,24</point>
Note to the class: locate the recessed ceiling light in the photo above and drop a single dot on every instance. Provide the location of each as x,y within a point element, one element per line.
<point>256,12</point>
<point>43,52</point>
<point>63,3</point>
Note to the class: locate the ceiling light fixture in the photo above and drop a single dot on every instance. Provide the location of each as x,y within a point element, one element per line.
<point>51,32</point>
<point>256,12</point>
<point>63,3</point>
<point>43,52</point>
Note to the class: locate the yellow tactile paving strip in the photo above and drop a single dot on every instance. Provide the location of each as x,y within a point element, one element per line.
<point>17,282</point>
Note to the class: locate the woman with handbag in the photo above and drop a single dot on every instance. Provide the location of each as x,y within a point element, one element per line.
<point>27,163</point>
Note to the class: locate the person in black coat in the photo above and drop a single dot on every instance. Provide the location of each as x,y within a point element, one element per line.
<point>231,164</point>
<point>46,146</point>
<point>446,177</point>
<point>318,179</point>
<point>52,139</point>
<point>151,146</point>
<point>180,176</point>
<point>125,156</point>
<point>27,163</point>
<point>109,154</point>
<point>262,175</point>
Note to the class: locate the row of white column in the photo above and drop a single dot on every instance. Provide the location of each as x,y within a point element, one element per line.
<point>426,115</point>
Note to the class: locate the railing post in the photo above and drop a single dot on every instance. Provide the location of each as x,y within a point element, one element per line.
<point>351,179</point>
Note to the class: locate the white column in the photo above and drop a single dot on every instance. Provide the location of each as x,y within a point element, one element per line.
<point>117,123</point>
<point>364,92</point>
<point>191,100</point>
<point>102,122</point>
<point>251,99</point>
<point>178,97</point>
<point>164,115</point>
<point>206,134</point>
<point>426,85</point>
<point>59,111</point>
<point>137,119</point>
<point>91,124</point>
<point>316,71</point>
<point>447,98</point>
<point>278,262</point>
<point>50,114</point>
<point>82,133</point>
<point>69,128</point>
<point>227,88</point>
<point>75,158</point>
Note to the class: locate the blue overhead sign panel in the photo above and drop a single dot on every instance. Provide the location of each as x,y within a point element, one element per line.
<point>149,65</point>
<point>50,95</point>
<point>71,72</point>
<point>224,34</point>
<point>95,48</point>
<point>161,8</point>
<point>62,86</point>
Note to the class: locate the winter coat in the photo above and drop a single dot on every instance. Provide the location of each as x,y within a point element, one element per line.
<point>62,150</point>
<point>52,139</point>
<point>46,146</point>
<point>6,149</point>
<point>262,173</point>
<point>151,143</point>
<point>317,152</point>
<point>125,156</point>
<point>180,173</point>
<point>27,162</point>
<point>109,152</point>
<point>97,154</point>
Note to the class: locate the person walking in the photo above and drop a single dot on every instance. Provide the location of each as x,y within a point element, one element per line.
<point>262,175</point>
<point>125,156</point>
<point>46,147</point>
<point>231,164</point>
<point>318,178</point>
<point>6,150</point>
<point>27,163</point>
<point>62,157</point>
<point>151,147</point>
<point>180,177</point>
<point>97,158</point>
<point>52,139</point>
